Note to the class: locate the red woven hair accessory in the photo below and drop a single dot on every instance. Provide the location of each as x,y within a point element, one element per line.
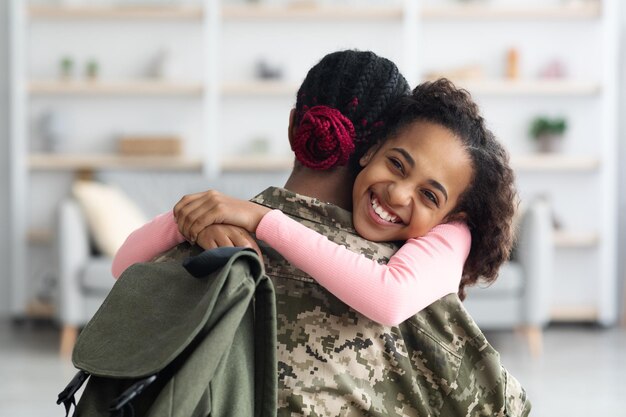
<point>324,138</point>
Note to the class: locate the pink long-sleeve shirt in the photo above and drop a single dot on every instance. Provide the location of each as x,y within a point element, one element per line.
<point>422,271</point>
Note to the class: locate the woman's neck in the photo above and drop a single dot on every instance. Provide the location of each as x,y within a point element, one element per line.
<point>332,186</point>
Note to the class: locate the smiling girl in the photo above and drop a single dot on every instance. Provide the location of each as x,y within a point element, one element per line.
<point>439,182</point>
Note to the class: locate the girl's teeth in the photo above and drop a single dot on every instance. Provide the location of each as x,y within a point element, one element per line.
<point>382,213</point>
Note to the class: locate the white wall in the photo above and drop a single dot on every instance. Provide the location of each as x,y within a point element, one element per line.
<point>621,249</point>
<point>4,158</point>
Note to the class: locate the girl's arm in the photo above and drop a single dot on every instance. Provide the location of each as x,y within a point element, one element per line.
<point>162,234</point>
<point>421,272</point>
<point>151,239</point>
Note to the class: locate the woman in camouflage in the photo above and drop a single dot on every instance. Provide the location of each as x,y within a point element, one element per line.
<point>333,360</point>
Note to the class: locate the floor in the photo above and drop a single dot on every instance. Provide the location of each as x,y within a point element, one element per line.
<point>582,371</point>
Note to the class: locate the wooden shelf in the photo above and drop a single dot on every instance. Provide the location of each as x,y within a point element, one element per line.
<point>311,11</point>
<point>315,11</point>
<point>260,88</point>
<point>72,162</point>
<point>574,313</point>
<point>115,12</point>
<point>253,12</point>
<point>257,163</point>
<point>590,10</point>
<point>132,87</point>
<point>555,163</point>
<point>530,87</point>
<point>575,240</point>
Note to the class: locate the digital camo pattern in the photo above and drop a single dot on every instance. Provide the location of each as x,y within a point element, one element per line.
<point>179,252</point>
<point>333,361</point>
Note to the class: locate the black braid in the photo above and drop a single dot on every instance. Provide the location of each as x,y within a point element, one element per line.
<point>336,82</point>
<point>365,79</point>
<point>380,102</point>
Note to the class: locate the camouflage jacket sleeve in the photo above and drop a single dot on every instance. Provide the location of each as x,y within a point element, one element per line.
<point>484,386</point>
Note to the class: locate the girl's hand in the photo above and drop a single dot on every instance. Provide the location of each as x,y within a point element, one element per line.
<point>220,235</point>
<point>194,212</point>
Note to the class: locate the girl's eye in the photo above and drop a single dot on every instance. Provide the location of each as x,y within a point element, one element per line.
<point>432,197</point>
<point>397,164</point>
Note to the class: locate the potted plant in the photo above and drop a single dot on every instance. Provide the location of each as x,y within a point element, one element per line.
<point>92,69</point>
<point>548,132</point>
<point>66,67</point>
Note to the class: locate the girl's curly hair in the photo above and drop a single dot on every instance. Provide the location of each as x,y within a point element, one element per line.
<point>488,205</point>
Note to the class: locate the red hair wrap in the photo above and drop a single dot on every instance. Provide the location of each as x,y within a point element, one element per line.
<point>324,138</point>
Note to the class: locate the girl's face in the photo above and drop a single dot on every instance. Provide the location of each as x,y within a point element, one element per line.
<point>410,183</point>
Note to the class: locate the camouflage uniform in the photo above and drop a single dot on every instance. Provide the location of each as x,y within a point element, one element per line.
<point>333,361</point>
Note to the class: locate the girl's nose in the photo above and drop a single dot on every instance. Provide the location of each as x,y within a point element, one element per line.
<point>400,194</point>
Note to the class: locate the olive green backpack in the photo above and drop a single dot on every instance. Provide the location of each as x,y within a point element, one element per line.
<point>181,339</point>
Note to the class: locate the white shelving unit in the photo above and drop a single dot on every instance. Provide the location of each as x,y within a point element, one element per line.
<point>238,110</point>
<point>308,12</point>
<point>584,36</point>
<point>513,11</point>
<point>37,28</point>
<point>80,12</point>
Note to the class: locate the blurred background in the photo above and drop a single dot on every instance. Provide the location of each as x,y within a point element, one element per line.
<point>111,110</point>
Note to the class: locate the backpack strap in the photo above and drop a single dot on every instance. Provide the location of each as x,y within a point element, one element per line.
<point>67,396</point>
<point>119,404</point>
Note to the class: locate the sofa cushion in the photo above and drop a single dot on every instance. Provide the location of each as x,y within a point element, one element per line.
<point>111,214</point>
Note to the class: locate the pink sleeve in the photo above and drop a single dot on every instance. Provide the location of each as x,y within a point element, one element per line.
<point>422,271</point>
<point>151,239</point>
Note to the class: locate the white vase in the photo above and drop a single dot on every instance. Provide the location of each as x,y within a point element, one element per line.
<point>549,143</point>
<point>53,130</point>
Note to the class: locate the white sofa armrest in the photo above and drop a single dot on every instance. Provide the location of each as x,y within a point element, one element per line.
<point>74,251</point>
<point>535,251</point>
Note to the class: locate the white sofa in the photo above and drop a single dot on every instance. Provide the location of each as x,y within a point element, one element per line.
<point>520,297</point>
<point>84,278</point>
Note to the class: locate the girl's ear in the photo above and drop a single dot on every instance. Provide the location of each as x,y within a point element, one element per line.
<point>367,157</point>
<point>461,216</point>
<point>292,128</point>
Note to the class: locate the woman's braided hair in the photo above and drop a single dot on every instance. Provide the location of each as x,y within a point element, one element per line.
<point>340,105</point>
<point>489,203</point>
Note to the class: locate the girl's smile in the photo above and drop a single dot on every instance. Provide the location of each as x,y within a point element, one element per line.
<point>410,183</point>
<point>382,214</point>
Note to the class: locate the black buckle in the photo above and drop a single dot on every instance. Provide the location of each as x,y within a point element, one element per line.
<point>131,392</point>
<point>67,395</point>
